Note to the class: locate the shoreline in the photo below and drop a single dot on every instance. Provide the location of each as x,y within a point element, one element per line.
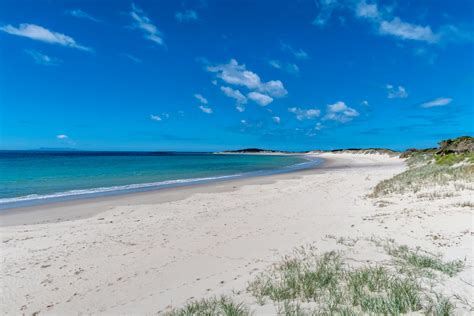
<point>58,211</point>
<point>31,201</point>
<point>149,253</point>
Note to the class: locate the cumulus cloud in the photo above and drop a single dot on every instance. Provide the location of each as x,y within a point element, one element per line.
<point>42,59</point>
<point>274,88</point>
<point>78,13</point>
<point>396,92</point>
<point>340,112</point>
<point>437,102</point>
<point>235,74</point>
<point>143,23</point>
<point>239,98</point>
<point>260,98</point>
<point>156,118</point>
<point>365,102</point>
<point>186,16</point>
<point>205,109</point>
<point>201,99</point>
<point>276,119</point>
<point>39,33</point>
<point>62,136</point>
<point>304,114</point>
<point>318,126</point>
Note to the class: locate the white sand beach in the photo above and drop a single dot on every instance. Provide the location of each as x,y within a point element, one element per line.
<point>151,252</point>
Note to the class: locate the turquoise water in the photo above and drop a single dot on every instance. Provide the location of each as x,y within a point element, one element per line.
<point>30,176</point>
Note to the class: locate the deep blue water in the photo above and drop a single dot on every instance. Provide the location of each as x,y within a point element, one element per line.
<point>27,176</point>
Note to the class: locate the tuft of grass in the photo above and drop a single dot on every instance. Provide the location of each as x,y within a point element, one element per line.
<point>442,306</point>
<point>423,260</point>
<point>376,290</point>
<point>468,204</point>
<point>330,287</point>
<point>223,306</point>
<point>303,276</point>
<point>336,288</point>
<point>416,178</point>
<point>453,158</point>
<point>427,168</point>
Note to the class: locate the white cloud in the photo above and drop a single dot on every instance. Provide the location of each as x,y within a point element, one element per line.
<point>437,102</point>
<point>235,74</point>
<point>39,33</point>
<point>240,108</point>
<point>319,126</point>
<point>133,58</point>
<point>274,88</point>
<point>340,112</point>
<point>156,118</point>
<point>43,59</point>
<point>404,30</point>
<point>276,119</point>
<point>275,64</point>
<point>201,99</point>
<point>62,136</point>
<point>302,114</point>
<point>205,109</point>
<point>365,102</point>
<point>288,67</point>
<point>260,98</point>
<point>297,53</point>
<point>396,92</point>
<point>386,23</point>
<point>326,7</point>
<point>365,10</point>
<point>78,13</point>
<point>240,99</point>
<point>143,23</point>
<point>186,16</point>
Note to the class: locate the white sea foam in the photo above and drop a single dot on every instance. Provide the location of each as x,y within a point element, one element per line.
<point>13,201</point>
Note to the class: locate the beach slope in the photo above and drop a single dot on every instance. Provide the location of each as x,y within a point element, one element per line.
<point>146,255</point>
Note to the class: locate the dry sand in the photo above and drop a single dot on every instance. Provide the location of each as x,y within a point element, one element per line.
<point>149,252</point>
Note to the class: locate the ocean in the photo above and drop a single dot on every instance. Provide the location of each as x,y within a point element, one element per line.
<point>36,177</point>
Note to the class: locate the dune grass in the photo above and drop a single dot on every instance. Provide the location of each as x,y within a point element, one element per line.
<point>419,259</point>
<point>330,286</point>
<point>426,170</point>
<point>222,306</point>
<point>309,283</point>
<point>452,159</point>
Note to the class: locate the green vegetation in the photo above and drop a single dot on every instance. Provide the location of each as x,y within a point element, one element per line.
<point>308,283</point>
<point>440,307</point>
<point>427,169</point>
<point>332,287</point>
<point>416,178</point>
<point>463,144</point>
<point>452,159</point>
<point>422,260</point>
<point>223,306</point>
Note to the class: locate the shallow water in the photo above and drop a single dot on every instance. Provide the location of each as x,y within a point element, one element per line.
<point>27,176</point>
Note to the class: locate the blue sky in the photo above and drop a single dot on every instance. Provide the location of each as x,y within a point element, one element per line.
<point>212,75</point>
